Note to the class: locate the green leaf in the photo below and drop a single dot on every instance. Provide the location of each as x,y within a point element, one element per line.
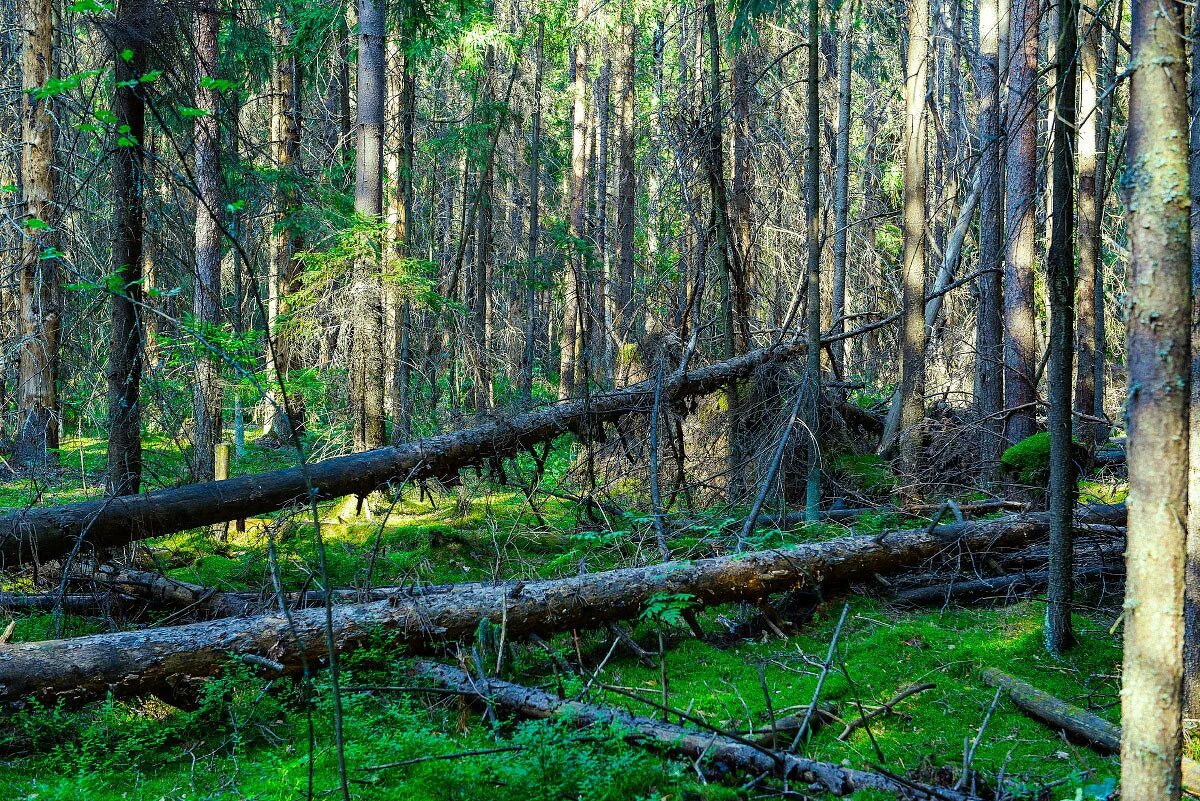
<point>127,55</point>
<point>50,253</point>
<point>89,7</point>
<point>151,76</point>
<point>34,224</point>
<point>8,189</point>
<point>220,84</point>
<point>189,113</point>
<point>104,115</point>
<point>235,206</point>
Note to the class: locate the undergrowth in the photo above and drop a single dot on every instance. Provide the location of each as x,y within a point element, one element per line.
<point>248,738</point>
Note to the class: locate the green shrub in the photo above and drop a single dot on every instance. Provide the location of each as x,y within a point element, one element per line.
<point>868,470</point>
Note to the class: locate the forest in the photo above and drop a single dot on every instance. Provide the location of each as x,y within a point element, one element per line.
<point>599,400</point>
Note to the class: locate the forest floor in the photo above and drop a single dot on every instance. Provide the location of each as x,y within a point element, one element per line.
<point>251,738</point>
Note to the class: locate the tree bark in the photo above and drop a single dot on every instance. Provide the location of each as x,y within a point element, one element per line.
<point>1159,328</point>
<point>989,323</point>
<point>206,293</point>
<point>163,660</point>
<point>1020,195</point>
<point>285,269</point>
<point>1089,229</point>
<point>367,369</point>
<point>569,332</point>
<point>37,394</point>
<point>841,187</point>
<point>1191,654</point>
<point>812,166</point>
<point>124,473</point>
<point>625,315</point>
<point>1061,276</point>
<point>913,339</point>
<point>534,275</point>
<point>402,99</point>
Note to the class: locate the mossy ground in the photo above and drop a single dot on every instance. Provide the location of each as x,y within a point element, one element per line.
<point>250,738</point>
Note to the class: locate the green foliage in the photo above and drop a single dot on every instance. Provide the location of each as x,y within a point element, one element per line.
<point>867,470</point>
<point>889,240</point>
<point>668,608</point>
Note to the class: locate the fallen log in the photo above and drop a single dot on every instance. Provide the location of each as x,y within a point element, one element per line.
<point>164,660</point>
<point>47,601</point>
<point>159,590</point>
<point>999,587</point>
<point>705,746</point>
<point>914,510</point>
<point>1082,725</point>
<point>50,532</point>
<point>1076,721</point>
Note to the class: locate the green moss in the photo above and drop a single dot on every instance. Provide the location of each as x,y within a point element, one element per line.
<point>249,740</point>
<point>1029,459</point>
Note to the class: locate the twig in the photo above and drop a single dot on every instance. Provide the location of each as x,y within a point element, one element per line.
<point>776,460</point>
<point>969,756</point>
<point>837,632</point>
<point>655,494</point>
<point>886,709</point>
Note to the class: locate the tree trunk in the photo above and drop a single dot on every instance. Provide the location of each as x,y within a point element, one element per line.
<point>162,660</point>
<point>604,308</point>
<point>812,189</point>
<point>913,337</point>
<point>1191,654</point>
<point>841,189</point>
<point>124,474</point>
<point>625,315</point>
<point>367,369</point>
<point>1089,228</point>
<point>285,268</point>
<point>735,324</point>
<point>1157,411</point>
<point>569,332</point>
<point>1020,194</point>
<point>1061,277</point>
<point>535,271</point>
<point>989,323</point>
<point>206,294</point>
<point>37,394</point>
<point>402,100</point>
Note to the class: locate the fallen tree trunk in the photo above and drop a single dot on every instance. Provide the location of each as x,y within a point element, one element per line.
<point>1079,723</point>
<point>991,587</point>
<point>1076,721</point>
<point>164,591</point>
<point>50,532</point>
<point>163,660</point>
<point>707,747</point>
<point>76,604</point>
<point>915,510</point>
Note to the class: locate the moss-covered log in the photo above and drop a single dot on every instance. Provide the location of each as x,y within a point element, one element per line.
<point>50,532</point>
<point>705,747</point>
<point>165,660</point>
